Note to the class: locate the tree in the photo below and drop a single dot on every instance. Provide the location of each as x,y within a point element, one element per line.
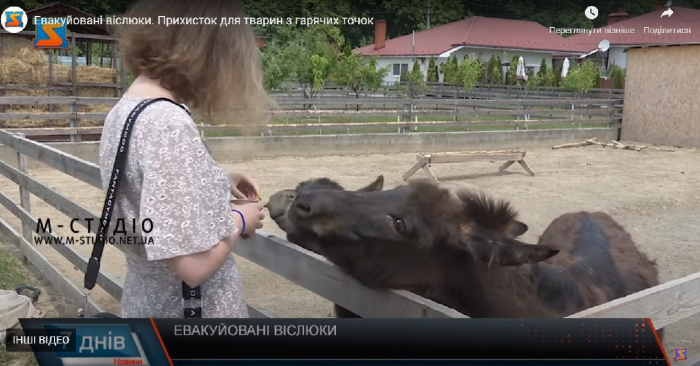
<point>311,55</point>
<point>455,62</point>
<point>618,75</point>
<point>450,70</point>
<point>319,67</point>
<point>374,77</point>
<point>489,70</point>
<point>359,74</point>
<point>415,81</point>
<point>494,71</point>
<point>275,71</point>
<point>347,51</point>
<point>513,70</point>
<point>469,72</point>
<point>543,68</point>
<point>432,76</point>
<point>498,71</point>
<point>409,15</point>
<point>557,74</point>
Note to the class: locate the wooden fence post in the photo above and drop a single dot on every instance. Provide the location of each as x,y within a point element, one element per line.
<point>50,83</point>
<point>74,66</point>
<point>24,195</point>
<point>74,122</point>
<point>405,117</point>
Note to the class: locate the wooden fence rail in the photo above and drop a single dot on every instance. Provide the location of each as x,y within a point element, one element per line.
<point>288,260</point>
<point>462,113</point>
<point>447,90</point>
<point>664,304</point>
<point>62,100</point>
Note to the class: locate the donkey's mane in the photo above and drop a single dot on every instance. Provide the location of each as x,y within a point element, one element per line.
<point>486,212</point>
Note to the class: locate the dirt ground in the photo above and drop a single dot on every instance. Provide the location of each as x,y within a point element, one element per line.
<point>655,195</point>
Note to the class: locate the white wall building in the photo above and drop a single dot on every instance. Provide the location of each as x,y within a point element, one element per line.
<point>481,36</point>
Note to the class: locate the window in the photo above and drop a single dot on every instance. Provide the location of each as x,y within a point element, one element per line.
<point>399,68</point>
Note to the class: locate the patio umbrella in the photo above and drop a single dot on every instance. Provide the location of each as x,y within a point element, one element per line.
<point>565,68</point>
<point>520,71</point>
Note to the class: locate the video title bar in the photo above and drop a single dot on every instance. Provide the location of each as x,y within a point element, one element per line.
<point>354,339</point>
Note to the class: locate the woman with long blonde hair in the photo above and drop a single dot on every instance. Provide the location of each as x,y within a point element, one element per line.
<point>170,177</point>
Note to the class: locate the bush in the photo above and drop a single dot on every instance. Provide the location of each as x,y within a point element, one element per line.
<point>449,70</point>
<point>618,75</point>
<point>432,71</point>
<point>469,72</point>
<point>498,70</point>
<point>557,74</point>
<point>582,77</point>
<point>543,68</point>
<point>489,70</point>
<point>494,72</point>
<point>548,78</point>
<point>512,71</point>
<point>413,81</point>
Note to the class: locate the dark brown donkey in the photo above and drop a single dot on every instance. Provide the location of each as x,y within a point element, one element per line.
<point>279,203</point>
<point>460,250</point>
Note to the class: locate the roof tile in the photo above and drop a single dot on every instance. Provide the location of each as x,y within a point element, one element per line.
<point>476,31</point>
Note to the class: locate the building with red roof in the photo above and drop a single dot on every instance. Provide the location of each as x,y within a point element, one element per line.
<point>681,27</point>
<point>478,35</point>
<point>486,36</point>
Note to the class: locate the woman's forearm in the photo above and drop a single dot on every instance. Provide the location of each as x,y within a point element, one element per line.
<point>196,268</point>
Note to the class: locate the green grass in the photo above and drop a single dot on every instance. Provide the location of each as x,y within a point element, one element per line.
<point>561,121</point>
<point>13,273</point>
<point>381,119</point>
<point>359,130</point>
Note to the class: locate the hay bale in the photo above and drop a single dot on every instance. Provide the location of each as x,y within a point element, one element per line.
<point>29,67</point>
<point>14,71</point>
<point>24,66</point>
<point>28,123</point>
<point>96,92</point>
<point>13,43</point>
<point>85,74</point>
<point>61,72</point>
<point>94,74</point>
<point>31,56</point>
<point>36,93</point>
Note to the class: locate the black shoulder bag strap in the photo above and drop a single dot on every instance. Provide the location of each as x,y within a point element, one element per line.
<point>93,267</point>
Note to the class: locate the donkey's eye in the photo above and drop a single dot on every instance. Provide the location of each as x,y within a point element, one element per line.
<point>399,225</point>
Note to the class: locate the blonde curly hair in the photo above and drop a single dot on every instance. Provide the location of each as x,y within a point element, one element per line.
<point>214,69</point>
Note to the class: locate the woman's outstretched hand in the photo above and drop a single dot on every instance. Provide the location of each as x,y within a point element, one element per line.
<point>252,214</point>
<point>243,187</point>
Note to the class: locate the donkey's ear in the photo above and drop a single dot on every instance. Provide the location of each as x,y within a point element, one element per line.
<point>495,248</point>
<point>517,228</point>
<point>375,186</point>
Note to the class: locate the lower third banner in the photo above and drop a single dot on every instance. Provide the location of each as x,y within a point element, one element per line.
<point>273,341</point>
